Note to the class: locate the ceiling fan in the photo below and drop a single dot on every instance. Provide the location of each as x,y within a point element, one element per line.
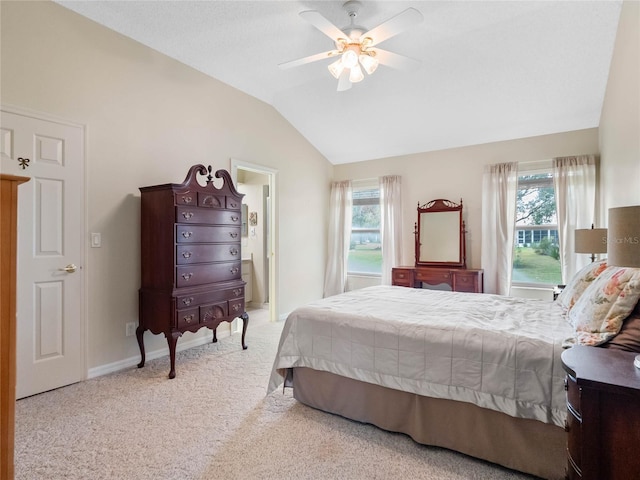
<point>355,45</point>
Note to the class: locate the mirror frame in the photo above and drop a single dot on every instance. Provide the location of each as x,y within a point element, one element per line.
<point>437,206</point>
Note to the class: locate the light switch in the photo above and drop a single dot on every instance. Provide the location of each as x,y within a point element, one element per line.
<point>96,240</point>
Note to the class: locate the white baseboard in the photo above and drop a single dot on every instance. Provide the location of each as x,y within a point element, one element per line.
<point>160,352</point>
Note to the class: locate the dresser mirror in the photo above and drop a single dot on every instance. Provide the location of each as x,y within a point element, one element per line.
<point>440,235</point>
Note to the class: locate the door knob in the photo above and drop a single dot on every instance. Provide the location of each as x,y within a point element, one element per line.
<point>71,268</point>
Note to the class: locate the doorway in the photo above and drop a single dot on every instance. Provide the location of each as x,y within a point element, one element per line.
<point>258,184</point>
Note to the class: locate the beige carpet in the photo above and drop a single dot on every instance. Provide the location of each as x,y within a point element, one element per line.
<point>213,421</point>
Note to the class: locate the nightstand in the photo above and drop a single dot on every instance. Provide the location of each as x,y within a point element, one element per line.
<point>603,414</point>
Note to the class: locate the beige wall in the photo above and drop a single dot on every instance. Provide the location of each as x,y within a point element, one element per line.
<point>457,174</point>
<point>620,120</point>
<point>148,119</point>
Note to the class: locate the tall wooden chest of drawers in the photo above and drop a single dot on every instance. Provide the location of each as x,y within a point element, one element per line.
<point>603,414</point>
<point>191,260</point>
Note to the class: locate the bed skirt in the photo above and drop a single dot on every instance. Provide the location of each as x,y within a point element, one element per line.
<point>521,444</point>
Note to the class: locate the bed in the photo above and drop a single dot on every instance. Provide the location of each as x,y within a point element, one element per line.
<point>476,373</point>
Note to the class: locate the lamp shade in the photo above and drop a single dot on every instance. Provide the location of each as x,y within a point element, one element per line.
<point>623,237</point>
<point>591,240</point>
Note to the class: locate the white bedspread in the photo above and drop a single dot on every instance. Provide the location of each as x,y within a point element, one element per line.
<point>497,352</point>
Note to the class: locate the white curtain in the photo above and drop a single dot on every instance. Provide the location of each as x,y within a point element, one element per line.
<point>574,180</point>
<point>390,224</point>
<point>335,278</point>
<point>499,190</point>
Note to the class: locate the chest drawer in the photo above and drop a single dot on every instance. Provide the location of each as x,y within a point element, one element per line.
<point>188,254</point>
<point>189,275</point>
<point>204,234</point>
<point>433,276</point>
<point>209,216</point>
<point>236,306</point>
<point>201,298</point>
<point>573,427</point>
<point>402,277</point>
<point>187,318</point>
<point>213,311</point>
<point>465,282</point>
<point>211,201</point>
<point>573,395</point>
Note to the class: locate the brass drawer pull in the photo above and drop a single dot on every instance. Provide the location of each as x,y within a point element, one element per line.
<point>187,215</point>
<point>234,218</point>
<point>237,291</point>
<point>187,234</point>
<point>233,204</point>
<point>233,251</point>
<point>234,270</point>
<point>187,276</point>
<point>186,254</point>
<point>187,301</point>
<point>235,307</point>
<point>233,234</point>
<point>186,199</point>
<point>188,318</point>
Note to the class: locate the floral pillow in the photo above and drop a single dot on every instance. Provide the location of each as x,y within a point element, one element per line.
<point>599,312</point>
<point>579,283</point>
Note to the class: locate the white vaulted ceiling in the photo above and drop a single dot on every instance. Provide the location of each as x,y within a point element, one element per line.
<point>490,71</point>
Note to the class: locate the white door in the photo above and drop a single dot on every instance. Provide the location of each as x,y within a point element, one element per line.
<point>50,325</point>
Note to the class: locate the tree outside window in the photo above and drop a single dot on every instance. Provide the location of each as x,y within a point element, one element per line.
<point>365,248</point>
<point>536,259</point>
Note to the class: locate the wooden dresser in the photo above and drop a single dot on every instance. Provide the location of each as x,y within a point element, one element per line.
<point>191,258</point>
<point>459,279</point>
<point>603,418</point>
<point>8,247</point>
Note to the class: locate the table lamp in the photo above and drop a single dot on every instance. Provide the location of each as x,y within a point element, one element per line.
<point>623,240</point>
<point>591,240</point>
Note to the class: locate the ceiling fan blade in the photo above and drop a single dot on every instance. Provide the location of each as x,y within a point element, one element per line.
<point>324,25</point>
<point>309,59</point>
<point>343,82</point>
<point>394,25</point>
<point>393,60</point>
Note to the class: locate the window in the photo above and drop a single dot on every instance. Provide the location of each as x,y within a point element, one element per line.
<point>536,258</point>
<point>365,248</point>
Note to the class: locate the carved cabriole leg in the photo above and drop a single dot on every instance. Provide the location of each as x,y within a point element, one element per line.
<point>245,322</point>
<point>139,336</point>
<point>172,340</point>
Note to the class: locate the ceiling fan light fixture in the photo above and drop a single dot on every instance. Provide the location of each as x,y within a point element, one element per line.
<point>356,74</point>
<point>369,63</point>
<point>354,44</point>
<point>350,57</point>
<point>336,68</point>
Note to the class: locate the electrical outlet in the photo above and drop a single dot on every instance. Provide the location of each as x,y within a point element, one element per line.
<point>131,329</point>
